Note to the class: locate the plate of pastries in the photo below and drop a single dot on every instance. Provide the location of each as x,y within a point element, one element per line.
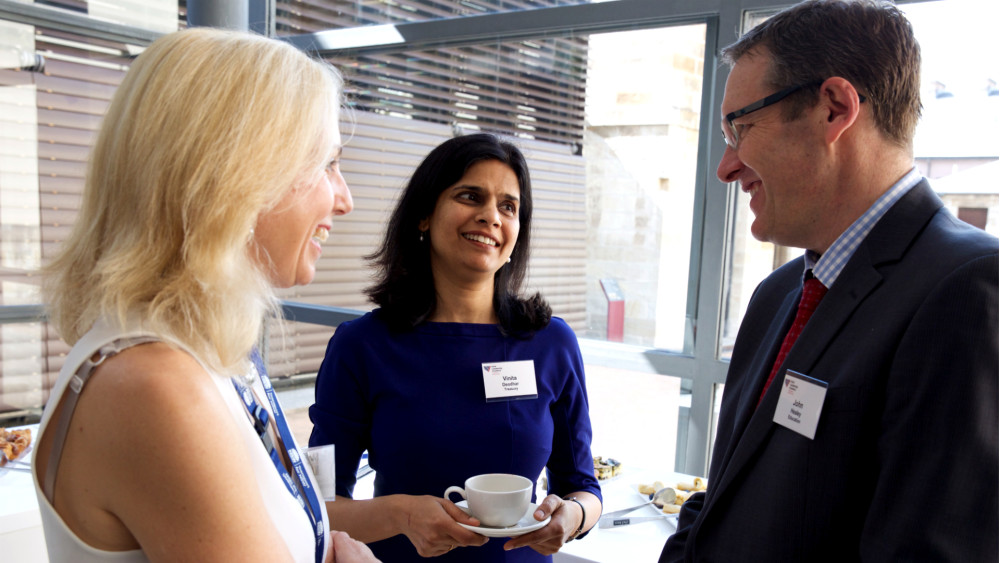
<point>670,499</point>
<point>14,444</point>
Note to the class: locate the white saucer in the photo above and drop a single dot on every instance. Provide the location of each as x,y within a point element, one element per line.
<point>526,524</point>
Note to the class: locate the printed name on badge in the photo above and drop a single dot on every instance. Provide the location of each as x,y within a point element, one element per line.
<point>505,381</point>
<point>800,403</point>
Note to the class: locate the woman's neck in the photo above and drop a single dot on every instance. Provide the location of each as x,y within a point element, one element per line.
<point>463,304</point>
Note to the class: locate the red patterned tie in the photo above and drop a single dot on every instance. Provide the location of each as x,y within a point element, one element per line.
<point>812,291</point>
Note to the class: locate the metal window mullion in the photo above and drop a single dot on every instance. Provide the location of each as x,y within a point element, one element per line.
<point>708,265</point>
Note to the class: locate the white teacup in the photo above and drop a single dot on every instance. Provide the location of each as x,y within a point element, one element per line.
<point>496,499</point>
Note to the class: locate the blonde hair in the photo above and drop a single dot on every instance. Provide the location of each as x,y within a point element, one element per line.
<point>208,130</point>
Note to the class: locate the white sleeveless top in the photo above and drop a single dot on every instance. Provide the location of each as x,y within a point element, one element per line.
<point>284,511</point>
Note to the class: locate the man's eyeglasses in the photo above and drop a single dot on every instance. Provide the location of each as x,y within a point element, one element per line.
<point>729,130</point>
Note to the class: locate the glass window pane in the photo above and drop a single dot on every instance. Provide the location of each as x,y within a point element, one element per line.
<point>955,147</point>
<point>153,15</point>
<point>23,382</point>
<point>717,391</point>
<point>640,144</point>
<point>20,224</point>
<point>54,88</point>
<point>635,417</point>
<point>748,262</point>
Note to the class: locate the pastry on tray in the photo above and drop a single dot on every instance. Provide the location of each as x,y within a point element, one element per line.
<point>13,443</point>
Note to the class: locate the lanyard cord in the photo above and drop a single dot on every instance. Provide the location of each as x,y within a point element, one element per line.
<point>298,483</point>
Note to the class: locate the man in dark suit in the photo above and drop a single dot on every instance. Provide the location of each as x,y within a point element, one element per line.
<point>876,438</point>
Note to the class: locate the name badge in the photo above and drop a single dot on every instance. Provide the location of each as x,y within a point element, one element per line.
<point>506,381</point>
<point>323,465</point>
<point>800,403</point>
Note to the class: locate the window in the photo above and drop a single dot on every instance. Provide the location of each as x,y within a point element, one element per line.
<point>975,216</point>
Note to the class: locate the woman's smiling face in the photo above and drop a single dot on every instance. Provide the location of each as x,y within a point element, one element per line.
<point>475,223</point>
<point>289,236</point>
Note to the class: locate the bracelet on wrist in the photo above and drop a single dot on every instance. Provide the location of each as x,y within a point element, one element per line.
<point>583,520</point>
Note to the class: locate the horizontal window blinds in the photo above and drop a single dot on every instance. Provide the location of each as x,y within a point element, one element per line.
<point>534,88</point>
<point>311,15</point>
<point>401,106</point>
<point>72,93</point>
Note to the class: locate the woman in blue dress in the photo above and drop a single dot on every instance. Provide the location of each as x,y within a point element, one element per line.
<point>455,374</point>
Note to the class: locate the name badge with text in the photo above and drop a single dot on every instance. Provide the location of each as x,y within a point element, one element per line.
<point>506,381</point>
<point>800,403</point>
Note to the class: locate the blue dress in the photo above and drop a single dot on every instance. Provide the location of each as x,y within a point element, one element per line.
<point>416,401</point>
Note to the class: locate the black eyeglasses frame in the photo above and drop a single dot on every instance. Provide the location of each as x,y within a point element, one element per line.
<point>758,105</point>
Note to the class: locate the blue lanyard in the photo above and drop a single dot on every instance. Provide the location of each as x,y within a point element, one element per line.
<point>261,419</point>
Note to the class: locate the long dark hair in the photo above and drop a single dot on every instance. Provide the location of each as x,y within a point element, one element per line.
<point>404,284</point>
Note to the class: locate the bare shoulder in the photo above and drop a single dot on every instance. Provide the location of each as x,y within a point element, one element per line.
<point>152,430</point>
<point>152,395</point>
<point>151,376</point>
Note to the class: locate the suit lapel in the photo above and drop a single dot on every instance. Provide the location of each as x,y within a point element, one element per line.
<point>835,309</point>
<point>832,313</point>
<point>760,366</point>
<point>764,359</point>
<point>886,243</point>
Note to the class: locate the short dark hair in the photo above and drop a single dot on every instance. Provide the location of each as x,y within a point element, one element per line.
<point>404,284</point>
<point>870,43</point>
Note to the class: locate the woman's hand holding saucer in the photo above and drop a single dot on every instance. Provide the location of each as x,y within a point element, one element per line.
<point>548,540</point>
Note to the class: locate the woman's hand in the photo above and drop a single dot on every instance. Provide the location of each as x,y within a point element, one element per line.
<point>431,524</point>
<point>567,518</point>
<point>344,549</point>
<point>548,540</point>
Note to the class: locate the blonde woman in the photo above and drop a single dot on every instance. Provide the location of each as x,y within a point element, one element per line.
<point>214,179</point>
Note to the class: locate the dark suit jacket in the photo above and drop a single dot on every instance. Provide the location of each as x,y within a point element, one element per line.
<point>904,462</point>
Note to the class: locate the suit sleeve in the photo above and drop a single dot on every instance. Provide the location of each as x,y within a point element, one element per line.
<point>673,550</point>
<point>936,490</point>
<point>764,302</point>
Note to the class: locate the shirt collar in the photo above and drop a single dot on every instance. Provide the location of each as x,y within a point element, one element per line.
<point>828,266</point>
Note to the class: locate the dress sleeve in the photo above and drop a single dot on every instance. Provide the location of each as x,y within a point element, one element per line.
<point>340,415</point>
<point>571,466</point>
